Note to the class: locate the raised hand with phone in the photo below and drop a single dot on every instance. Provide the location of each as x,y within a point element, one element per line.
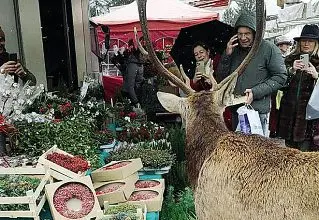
<point>9,64</point>
<point>203,65</point>
<point>232,43</point>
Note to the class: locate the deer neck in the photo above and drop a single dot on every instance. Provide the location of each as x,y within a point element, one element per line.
<point>201,136</point>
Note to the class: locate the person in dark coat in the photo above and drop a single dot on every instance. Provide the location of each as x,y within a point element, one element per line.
<point>265,74</point>
<point>133,77</point>
<point>284,44</point>
<point>292,126</point>
<point>8,66</point>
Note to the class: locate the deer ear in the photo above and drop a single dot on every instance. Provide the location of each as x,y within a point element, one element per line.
<point>169,101</point>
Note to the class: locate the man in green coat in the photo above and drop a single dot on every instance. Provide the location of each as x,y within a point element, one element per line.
<point>265,74</point>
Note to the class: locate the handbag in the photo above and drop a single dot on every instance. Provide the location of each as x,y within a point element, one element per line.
<point>249,121</point>
<point>312,109</point>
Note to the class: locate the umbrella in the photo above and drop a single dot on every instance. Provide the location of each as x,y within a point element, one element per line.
<point>215,34</point>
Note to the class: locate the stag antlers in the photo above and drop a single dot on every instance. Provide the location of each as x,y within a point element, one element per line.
<point>224,90</point>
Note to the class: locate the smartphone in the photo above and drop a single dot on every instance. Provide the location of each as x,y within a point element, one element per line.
<point>305,59</point>
<point>200,67</point>
<point>13,57</point>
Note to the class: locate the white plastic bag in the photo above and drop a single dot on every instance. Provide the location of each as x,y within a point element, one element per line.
<point>312,109</point>
<point>249,121</point>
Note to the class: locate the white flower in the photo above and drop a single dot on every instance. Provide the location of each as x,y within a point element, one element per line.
<point>28,91</point>
<point>21,101</point>
<point>127,119</point>
<point>29,120</point>
<point>18,112</point>
<point>7,93</point>
<point>89,104</point>
<point>41,86</point>
<point>29,102</point>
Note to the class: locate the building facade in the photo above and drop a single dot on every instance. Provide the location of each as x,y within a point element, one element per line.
<point>51,38</point>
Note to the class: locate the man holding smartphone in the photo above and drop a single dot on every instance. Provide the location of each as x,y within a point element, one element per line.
<point>264,75</point>
<point>10,65</point>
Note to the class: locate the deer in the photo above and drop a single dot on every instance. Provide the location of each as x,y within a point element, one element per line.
<point>237,176</point>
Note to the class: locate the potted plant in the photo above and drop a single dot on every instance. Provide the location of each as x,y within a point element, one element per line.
<point>152,159</point>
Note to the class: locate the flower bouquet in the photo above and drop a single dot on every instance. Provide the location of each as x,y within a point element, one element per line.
<point>15,97</point>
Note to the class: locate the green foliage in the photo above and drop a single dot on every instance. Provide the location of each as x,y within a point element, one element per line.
<point>95,92</point>
<point>177,138</point>
<point>75,136</point>
<point>14,186</point>
<point>151,158</point>
<point>177,177</point>
<point>126,207</point>
<point>180,207</point>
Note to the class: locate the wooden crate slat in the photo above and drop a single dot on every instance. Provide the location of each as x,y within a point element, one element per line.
<point>39,170</point>
<point>30,198</point>
<point>15,200</point>
<point>15,214</point>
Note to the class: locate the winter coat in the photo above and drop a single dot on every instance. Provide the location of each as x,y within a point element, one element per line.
<point>292,123</point>
<point>4,57</point>
<point>133,77</point>
<point>265,74</point>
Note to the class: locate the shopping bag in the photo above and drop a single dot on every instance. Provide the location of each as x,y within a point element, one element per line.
<point>312,109</point>
<point>249,121</point>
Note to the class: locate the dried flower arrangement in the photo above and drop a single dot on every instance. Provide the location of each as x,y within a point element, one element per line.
<point>117,165</point>
<point>76,164</point>
<point>70,191</point>
<point>141,184</point>
<point>73,199</point>
<point>143,195</point>
<point>108,188</point>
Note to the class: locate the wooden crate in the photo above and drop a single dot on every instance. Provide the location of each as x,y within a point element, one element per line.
<point>140,212</point>
<point>57,171</point>
<point>27,170</point>
<point>50,191</point>
<point>30,199</point>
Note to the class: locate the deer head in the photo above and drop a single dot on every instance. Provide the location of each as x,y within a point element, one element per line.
<point>202,110</point>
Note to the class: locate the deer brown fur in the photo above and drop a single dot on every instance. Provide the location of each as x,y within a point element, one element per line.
<point>237,176</point>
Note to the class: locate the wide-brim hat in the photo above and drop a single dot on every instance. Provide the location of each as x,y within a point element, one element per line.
<point>309,32</point>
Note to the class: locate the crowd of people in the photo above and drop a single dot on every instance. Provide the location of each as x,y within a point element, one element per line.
<point>277,82</point>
